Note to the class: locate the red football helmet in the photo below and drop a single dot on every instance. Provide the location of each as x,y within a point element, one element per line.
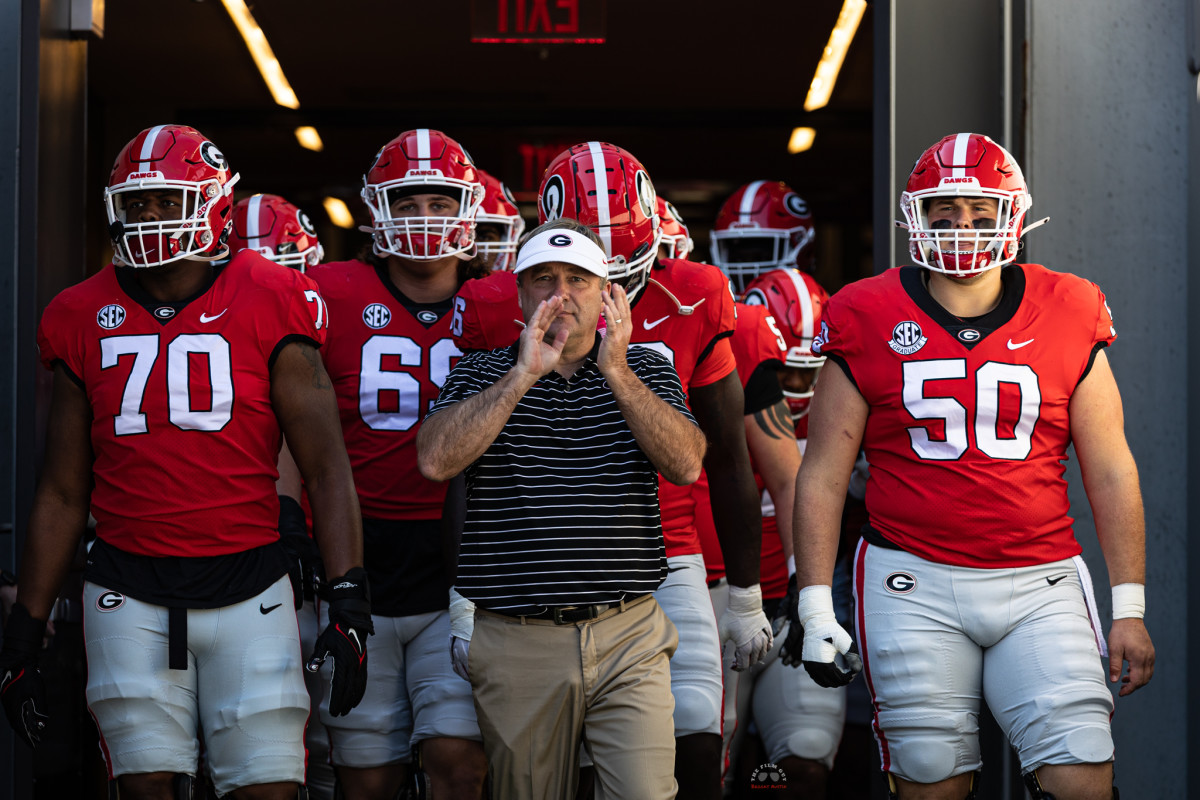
<point>499,208</point>
<point>277,229</point>
<point>170,158</point>
<point>422,161</point>
<point>675,235</point>
<point>763,225</point>
<point>796,301</point>
<point>965,165</point>
<point>607,189</point>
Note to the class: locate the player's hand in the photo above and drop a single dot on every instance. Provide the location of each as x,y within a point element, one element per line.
<point>1129,641</point>
<point>345,638</point>
<point>618,324</point>
<point>536,355</point>
<point>462,626</point>
<point>745,626</point>
<point>824,639</point>
<point>304,557</point>
<point>22,691</point>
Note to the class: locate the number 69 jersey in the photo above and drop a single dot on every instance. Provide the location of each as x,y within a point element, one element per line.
<point>183,433</point>
<point>968,425</point>
<point>387,365</point>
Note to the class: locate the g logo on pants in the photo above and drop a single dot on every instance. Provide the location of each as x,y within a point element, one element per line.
<point>900,583</point>
<point>109,601</point>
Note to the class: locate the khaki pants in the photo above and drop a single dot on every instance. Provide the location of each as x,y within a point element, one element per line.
<point>540,689</point>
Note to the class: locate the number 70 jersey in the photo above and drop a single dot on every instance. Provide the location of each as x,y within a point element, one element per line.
<point>968,426</point>
<point>183,433</point>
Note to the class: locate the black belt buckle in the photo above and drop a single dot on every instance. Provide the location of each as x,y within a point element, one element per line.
<point>565,615</point>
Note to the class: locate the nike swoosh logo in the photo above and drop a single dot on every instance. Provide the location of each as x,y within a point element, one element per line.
<point>268,609</point>
<point>207,318</point>
<point>647,324</point>
<point>1017,345</point>
<point>1053,581</point>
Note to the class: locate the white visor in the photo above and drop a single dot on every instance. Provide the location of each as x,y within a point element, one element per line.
<point>565,246</point>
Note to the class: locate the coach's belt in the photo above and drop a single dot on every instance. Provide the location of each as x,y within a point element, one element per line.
<point>568,615</point>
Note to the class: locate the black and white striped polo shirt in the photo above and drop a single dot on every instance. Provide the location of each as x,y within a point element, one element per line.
<point>562,509</point>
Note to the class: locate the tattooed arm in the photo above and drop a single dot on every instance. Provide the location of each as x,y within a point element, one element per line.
<point>303,399</point>
<point>772,440</point>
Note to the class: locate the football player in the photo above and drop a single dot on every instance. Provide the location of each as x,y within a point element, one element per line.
<point>798,722</point>
<point>965,378</point>
<point>498,224</point>
<point>684,311</point>
<point>763,225</point>
<point>277,230</point>
<point>387,360</point>
<point>172,382</point>
<point>281,232</point>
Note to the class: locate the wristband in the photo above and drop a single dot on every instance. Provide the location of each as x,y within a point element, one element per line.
<point>791,565</point>
<point>1128,600</point>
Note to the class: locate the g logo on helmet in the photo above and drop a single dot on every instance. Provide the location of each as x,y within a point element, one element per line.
<point>645,192</point>
<point>554,198</point>
<point>306,223</point>
<point>755,297</point>
<point>508,195</point>
<point>109,601</point>
<point>795,205</point>
<point>559,240</point>
<point>900,583</point>
<point>212,156</point>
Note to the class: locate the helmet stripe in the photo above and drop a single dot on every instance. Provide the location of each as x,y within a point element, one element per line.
<point>960,155</point>
<point>747,206</point>
<point>423,148</point>
<point>808,317</point>
<point>604,219</point>
<point>148,148</point>
<point>252,228</point>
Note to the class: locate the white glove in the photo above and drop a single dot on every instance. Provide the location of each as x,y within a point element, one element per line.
<point>745,626</point>
<point>462,625</point>
<point>824,639</point>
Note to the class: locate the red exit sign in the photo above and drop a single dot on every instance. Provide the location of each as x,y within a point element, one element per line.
<point>537,21</point>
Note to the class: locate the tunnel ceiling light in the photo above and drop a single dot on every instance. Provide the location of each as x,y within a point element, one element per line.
<point>338,213</point>
<point>835,52</point>
<point>260,51</point>
<point>309,139</point>
<point>802,139</point>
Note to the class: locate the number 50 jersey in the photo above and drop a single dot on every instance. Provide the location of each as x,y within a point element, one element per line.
<point>183,433</point>
<point>387,364</point>
<point>968,426</point>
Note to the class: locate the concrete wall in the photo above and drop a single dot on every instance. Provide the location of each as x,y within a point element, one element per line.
<point>1110,146</point>
<point>1103,115</point>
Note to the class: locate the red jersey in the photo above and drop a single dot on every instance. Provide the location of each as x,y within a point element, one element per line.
<point>968,427</point>
<point>183,433</point>
<point>754,342</point>
<point>387,364</point>
<point>685,312</point>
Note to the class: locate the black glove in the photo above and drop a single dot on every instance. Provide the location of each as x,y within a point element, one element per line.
<point>303,556</point>
<point>345,638</point>
<point>793,643</point>
<point>22,691</point>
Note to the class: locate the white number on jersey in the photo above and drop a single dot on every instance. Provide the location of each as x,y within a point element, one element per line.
<point>987,409</point>
<point>144,349</point>
<point>373,379</point>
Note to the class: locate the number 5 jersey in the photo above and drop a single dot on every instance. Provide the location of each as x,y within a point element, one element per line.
<point>968,425</point>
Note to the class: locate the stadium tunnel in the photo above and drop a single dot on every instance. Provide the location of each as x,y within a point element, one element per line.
<point>1097,101</point>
